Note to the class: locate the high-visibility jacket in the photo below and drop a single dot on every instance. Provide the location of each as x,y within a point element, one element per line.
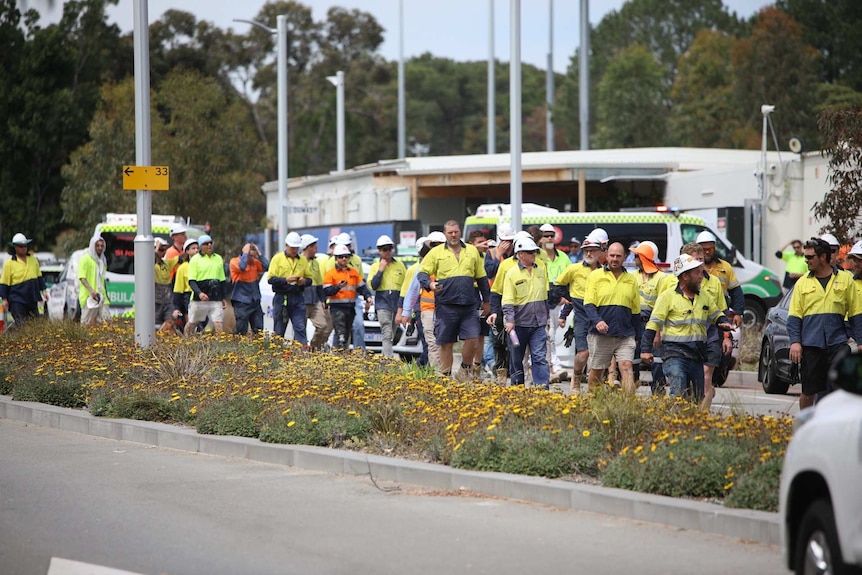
<point>347,294</point>
<point>711,286</point>
<point>557,265</point>
<point>683,323</point>
<point>575,277</point>
<point>725,274</point>
<point>22,282</point>
<point>648,289</point>
<point>387,284</point>
<point>614,300</point>
<point>525,296</point>
<point>816,315</point>
<point>455,276</point>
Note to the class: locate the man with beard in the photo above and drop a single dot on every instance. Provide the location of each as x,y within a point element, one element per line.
<point>612,306</point>
<point>682,315</point>
<point>724,272</point>
<point>575,277</point>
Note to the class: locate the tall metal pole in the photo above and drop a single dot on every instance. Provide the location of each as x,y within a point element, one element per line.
<point>584,76</point>
<point>402,115</point>
<point>757,215</point>
<point>549,81</point>
<point>283,152</point>
<point>145,297</point>
<point>338,82</point>
<point>492,86</point>
<point>515,112</point>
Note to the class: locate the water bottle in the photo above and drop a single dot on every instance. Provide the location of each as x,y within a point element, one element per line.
<point>514,337</point>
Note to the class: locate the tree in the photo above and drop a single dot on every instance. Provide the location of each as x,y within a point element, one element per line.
<point>841,133</point>
<point>631,108</point>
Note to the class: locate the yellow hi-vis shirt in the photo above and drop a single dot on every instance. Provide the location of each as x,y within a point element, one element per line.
<point>408,279</point>
<point>614,300</point>
<point>455,276</point>
<point>525,296</point>
<point>575,276</point>
<point>816,315</point>
<point>283,266</point>
<point>683,323</point>
<point>724,272</point>
<point>649,286</point>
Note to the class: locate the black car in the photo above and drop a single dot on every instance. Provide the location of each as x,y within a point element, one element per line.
<point>774,369</point>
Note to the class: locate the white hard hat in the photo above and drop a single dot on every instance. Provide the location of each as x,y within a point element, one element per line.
<point>333,240</point>
<point>491,243</point>
<point>705,237</point>
<point>856,250</point>
<point>505,232</point>
<point>831,240</point>
<point>384,240</point>
<point>420,243</point>
<point>526,245</point>
<point>293,240</point>
<point>307,240</point>
<point>178,229</point>
<point>590,243</point>
<point>547,228</point>
<point>344,239</point>
<point>341,250</point>
<point>161,242</point>
<point>523,235</point>
<point>189,242</point>
<point>20,240</point>
<point>599,235</point>
<point>436,238</point>
<point>684,263</point>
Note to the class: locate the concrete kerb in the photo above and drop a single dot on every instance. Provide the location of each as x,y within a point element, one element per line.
<point>707,517</point>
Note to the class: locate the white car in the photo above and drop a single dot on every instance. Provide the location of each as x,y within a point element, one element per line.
<point>821,481</point>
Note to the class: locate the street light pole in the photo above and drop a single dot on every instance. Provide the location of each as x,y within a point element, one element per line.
<point>338,82</point>
<point>402,114</point>
<point>515,190</point>
<point>281,32</point>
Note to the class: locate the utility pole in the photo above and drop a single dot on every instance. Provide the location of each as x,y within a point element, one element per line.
<point>549,82</point>
<point>492,86</point>
<point>515,190</point>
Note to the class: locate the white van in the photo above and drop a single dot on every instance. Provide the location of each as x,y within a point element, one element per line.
<point>669,231</point>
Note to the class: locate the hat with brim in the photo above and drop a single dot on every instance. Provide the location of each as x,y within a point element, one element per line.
<point>646,255</point>
<point>93,303</point>
<point>685,263</point>
<point>20,240</point>
<point>856,251</point>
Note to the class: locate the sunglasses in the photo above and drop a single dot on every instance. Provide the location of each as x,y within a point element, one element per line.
<point>809,257</point>
<point>341,257</point>
<point>548,236</point>
<point>163,249</point>
<point>385,248</point>
<point>207,244</point>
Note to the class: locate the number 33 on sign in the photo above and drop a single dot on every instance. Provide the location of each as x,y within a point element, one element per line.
<point>154,178</point>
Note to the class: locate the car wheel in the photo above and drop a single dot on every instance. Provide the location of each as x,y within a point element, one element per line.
<point>754,314</point>
<point>817,548</point>
<point>768,374</point>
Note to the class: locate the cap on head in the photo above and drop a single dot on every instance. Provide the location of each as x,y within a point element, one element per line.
<point>204,239</point>
<point>575,241</point>
<point>525,245</point>
<point>189,242</point>
<point>307,240</point>
<point>293,240</point>
<point>505,232</point>
<point>344,239</point>
<point>20,240</point>
<point>420,243</point>
<point>547,228</point>
<point>600,235</point>
<point>384,240</point>
<point>684,263</point>
<point>178,229</point>
<point>705,237</point>
<point>831,240</point>
<point>437,238</point>
<point>341,250</point>
<point>856,250</point>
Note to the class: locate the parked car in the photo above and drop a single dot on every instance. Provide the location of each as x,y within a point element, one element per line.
<point>63,295</point>
<point>774,370</point>
<point>820,501</point>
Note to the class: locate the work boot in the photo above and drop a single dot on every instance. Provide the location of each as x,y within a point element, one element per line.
<point>575,386</point>
<point>502,376</point>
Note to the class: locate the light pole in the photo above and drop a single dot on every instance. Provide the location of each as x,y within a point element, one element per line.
<point>515,188</point>
<point>281,31</point>
<point>338,82</point>
<point>402,106</point>
<point>492,114</point>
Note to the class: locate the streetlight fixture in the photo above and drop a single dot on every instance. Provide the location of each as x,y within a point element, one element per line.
<point>338,82</point>
<point>281,31</point>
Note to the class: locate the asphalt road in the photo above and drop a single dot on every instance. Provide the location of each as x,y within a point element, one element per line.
<point>158,511</point>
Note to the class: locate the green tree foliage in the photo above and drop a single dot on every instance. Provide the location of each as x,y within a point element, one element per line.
<point>703,113</point>
<point>631,108</point>
<point>49,84</point>
<point>833,28</point>
<point>841,132</point>
<point>204,135</point>
<point>775,66</point>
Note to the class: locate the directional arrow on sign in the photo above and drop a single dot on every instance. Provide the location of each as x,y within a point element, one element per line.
<point>128,171</point>
<point>146,178</point>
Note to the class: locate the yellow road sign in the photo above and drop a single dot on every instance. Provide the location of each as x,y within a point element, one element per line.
<point>146,178</point>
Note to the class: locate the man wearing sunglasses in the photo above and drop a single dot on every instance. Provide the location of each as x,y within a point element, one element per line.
<point>386,277</point>
<point>821,300</point>
<point>206,278</point>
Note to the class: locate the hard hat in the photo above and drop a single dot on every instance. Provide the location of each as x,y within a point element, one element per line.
<point>856,250</point>
<point>293,240</point>
<point>344,239</point>
<point>178,229</point>
<point>189,242</point>
<point>161,242</point>
<point>648,253</point>
<point>705,237</point>
<point>420,243</point>
<point>333,240</point>
<point>307,240</point>
<point>505,232</point>
<point>590,243</point>
<point>831,240</point>
<point>20,240</point>
<point>341,250</point>
<point>684,263</point>
<point>526,245</point>
<point>547,228</point>
<point>436,238</point>
<point>491,243</point>
<point>599,235</point>
<point>384,240</point>
<point>522,235</point>
<point>575,241</point>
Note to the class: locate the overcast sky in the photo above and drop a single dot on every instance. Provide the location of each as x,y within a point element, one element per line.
<point>456,29</point>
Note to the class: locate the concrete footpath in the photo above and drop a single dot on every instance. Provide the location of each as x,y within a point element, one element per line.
<point>707,517</point>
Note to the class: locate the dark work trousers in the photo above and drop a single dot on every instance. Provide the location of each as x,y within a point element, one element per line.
<point>247,314</point>
<point>293,312</point>
<point>342,322</point>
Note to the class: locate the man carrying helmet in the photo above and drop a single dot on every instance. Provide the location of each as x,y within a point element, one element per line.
<point>385,278</point>
<point>525,313</point>
<point>682,315</point>
<point>289,275</point>
<point>724,272</point>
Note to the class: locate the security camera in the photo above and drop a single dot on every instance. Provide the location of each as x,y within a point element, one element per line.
<point>767,109</point>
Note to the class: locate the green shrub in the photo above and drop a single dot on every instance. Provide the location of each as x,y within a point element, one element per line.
<point>315,423</point>
<point>145,407</point>
<point>688,468</point>
<point>66,391</point>
<point>758,489</point>
<point>236,416</point>
<point>531,452</point>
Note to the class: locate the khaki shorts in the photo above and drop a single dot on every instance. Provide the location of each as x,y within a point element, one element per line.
<point>604,347</point>
<point>200,310</point>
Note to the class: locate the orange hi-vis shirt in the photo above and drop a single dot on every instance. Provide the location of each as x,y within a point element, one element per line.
<point>347,294</point>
